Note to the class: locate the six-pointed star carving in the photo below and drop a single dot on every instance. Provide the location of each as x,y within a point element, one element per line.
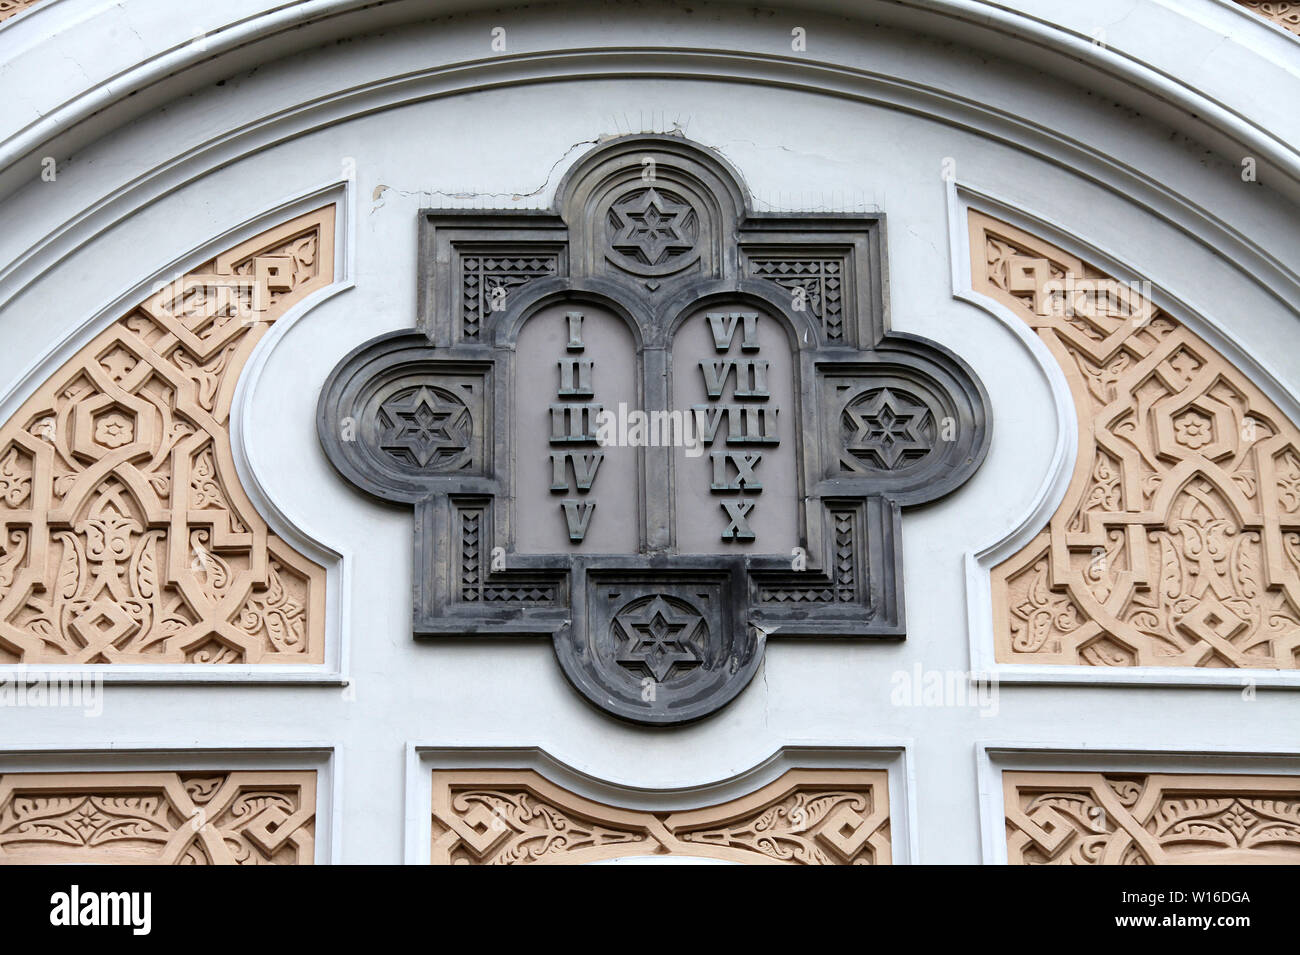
<point>887,427</point>
<point>425,426</point>
<point>658,637</point>
<point>652,224</point>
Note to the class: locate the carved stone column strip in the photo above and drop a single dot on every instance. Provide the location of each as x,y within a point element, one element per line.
<point>1081,818</point>
<point>1178,541</point>
<point>1284,13</point>
<point>158,818</point>
<point>125,536</point>
<point>517,817</point>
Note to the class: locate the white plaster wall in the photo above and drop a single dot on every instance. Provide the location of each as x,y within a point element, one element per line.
<point>797,149</point>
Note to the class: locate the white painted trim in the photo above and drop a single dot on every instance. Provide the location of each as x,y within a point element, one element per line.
<point>1060,30</point>
<point>978,563</point>
<point>219,37</point>
<point>185,756</point>
<point>336,560</point>
<point>1274,43</point>
<point>979,598</point>
<point>21,21</point>
<point>892,756</point>
<point>307,540</point>
<point>945,106</point>
<point>992,757</point>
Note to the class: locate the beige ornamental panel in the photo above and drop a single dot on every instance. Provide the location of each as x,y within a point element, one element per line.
<point>1178,541</point>
<point>125,536</point>
<point>1285,13</point>
<point>158,818</point>
<point>517,817</point>
<point>1077,818</point>
<point>11,8</point>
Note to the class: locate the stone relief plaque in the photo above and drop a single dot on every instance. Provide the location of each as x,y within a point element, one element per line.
<point>655,427</point>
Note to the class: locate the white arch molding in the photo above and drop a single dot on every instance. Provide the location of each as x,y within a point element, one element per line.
<point>1232,124</point>
<point>168,174</point>
<point>1237,76</point>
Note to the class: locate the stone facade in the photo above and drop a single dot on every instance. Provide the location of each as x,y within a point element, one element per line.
<point>979,318</point>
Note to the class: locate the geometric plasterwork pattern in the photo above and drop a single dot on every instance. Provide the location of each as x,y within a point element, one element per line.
<point>517,817</point>
<point>11,8</point>
<point>1178,540</point>
<point>1075,818</point>
<point>1282,12</point>
<point>125,536</point>
<point>158,818</point>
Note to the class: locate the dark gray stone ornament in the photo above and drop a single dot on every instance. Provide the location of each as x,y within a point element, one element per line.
<point>656,427</point>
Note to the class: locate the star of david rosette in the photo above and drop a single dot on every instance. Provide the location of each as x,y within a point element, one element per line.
<point>655,427</point>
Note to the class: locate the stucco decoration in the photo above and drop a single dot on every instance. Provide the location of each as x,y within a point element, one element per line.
<point>655,427</point>
<point>11,8</point>
<point>126,535</point>
<point>1178,541</point>
<point>1284,13</point>
<point>158,818</point>
<point>517,817</point>
<point>1077,818</point>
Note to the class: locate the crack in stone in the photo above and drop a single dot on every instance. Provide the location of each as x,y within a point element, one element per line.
<point>426,195</point>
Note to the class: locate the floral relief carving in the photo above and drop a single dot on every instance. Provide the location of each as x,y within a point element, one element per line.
<point>1080,818</point>
<point>125,536</point>
<point>11,8</point>
<point>517,817</point>
<point>1178,541</point>
<point>158,818</point>
<point>1285,13</point>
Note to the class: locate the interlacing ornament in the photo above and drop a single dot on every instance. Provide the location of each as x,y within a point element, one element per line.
<point>427,427</point>
<point>1284,13</point>
<point>158,818</point>
<point>126,535</point>
<point>1178,541</point>
<point>652,226</point>
<point>884,429</point>
<point>659,634</point>
<point>1078,818</point>
<point>11,8</point>
<point>517,817</point>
